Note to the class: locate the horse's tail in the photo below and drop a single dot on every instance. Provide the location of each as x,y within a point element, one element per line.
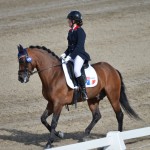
<point>124,101</point>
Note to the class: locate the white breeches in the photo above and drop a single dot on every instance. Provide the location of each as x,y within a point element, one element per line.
<point>78,63</point>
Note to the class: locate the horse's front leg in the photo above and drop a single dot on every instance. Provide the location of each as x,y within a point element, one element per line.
<point>54,123</point>
<point>44,116</point>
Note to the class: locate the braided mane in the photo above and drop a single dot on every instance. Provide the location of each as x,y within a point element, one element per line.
<point>45,49</point>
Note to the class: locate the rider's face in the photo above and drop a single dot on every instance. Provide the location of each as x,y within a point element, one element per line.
<point>70,23</point>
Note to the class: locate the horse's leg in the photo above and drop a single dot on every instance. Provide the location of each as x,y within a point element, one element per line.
<point>94,107</point>
<point>48,111</point>
<point>55,118</point>
<point>114,97</point>
<point>44,116</point>
<point>119,116</point>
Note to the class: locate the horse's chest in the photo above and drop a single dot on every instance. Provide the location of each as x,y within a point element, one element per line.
<point>45,94</point>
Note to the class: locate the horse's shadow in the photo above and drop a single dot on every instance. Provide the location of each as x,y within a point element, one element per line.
<point>37,139</point>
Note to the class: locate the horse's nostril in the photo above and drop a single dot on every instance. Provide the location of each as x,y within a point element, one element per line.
<point>20,79</point>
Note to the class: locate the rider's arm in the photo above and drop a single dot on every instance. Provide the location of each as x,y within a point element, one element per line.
<point>67,50</point>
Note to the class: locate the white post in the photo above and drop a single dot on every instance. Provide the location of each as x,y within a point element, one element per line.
<point>115,140</point>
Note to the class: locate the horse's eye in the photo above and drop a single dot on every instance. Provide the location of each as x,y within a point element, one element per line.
<point>21,61</point>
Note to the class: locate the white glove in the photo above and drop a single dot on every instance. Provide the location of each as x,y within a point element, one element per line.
<point>62,56</point>
<point>67,59</point>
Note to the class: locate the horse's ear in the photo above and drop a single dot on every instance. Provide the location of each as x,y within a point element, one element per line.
<point>20,47</point>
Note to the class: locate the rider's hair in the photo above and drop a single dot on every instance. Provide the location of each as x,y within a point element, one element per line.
<point>79,23</point>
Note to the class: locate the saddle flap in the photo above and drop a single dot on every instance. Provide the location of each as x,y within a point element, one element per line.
<point>90,73</point>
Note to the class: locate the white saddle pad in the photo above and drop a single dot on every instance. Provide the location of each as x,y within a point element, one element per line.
<point>91,76</point>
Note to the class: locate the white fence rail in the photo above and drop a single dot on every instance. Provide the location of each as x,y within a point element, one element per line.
<point>113,141</point>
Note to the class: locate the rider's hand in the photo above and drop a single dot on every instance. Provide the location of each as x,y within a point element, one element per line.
<point>67,59</point>
<point>62,56</point>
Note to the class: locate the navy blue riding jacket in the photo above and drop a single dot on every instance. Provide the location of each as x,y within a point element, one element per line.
<point>76,39</point>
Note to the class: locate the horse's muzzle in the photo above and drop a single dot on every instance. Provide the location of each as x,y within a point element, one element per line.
<point>23,79</point>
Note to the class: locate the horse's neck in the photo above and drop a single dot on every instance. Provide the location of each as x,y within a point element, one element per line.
<point>46,61</point>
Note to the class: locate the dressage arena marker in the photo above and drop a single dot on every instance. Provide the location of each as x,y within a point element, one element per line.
<point>114,140</point>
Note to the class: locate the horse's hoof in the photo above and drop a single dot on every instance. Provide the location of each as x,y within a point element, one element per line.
<point>61,134</point>
<point>48,145</point>
<point>86,138</point>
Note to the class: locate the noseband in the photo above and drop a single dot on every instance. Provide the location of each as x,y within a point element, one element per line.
<point>26,69</point>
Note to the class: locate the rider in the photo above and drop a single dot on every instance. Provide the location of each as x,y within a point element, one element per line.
<point>75,51</point>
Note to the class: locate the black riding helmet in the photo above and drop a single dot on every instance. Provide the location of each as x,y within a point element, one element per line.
<point>76,16</point>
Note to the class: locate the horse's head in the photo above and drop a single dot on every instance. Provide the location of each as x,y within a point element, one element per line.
<point>25,65</point>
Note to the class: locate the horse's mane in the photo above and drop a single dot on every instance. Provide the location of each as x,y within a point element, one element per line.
<point>45,49</point>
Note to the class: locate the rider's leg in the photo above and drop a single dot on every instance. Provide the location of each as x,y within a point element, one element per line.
<point>78,63</point>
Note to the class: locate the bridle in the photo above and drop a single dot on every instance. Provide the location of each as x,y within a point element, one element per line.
<point>29,72</point>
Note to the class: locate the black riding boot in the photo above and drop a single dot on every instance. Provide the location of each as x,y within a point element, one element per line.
<point>81,83</point>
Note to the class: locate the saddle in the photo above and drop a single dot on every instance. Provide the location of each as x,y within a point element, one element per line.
<point>87,71</point>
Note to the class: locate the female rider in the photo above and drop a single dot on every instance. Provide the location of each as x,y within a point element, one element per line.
<point>75,50</point>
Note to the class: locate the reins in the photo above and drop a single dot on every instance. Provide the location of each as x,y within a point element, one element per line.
<point>45,69</point>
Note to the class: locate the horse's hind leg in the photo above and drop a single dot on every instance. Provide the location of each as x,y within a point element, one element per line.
<point>94,107</point>
<point>119,116</point>
<point>114,96</point>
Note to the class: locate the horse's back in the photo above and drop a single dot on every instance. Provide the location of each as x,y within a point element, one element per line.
<point>104,66</point>
<point>106,73</point>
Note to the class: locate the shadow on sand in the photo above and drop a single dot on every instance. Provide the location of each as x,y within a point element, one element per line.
<point>37,139</point>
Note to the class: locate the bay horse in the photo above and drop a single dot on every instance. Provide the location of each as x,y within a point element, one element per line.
<point>58,94</point>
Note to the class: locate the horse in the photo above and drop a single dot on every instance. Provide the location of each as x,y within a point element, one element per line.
<point>56,91</point>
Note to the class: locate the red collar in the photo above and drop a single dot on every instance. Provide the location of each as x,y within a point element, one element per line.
<point>74,28</point>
